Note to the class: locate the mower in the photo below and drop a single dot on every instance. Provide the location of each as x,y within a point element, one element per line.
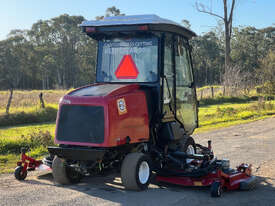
<point>138,116</point>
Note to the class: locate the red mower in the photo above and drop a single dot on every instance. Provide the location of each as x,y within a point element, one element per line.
<point>138,116</point>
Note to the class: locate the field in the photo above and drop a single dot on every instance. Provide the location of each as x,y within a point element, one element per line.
<point>213,113</point>
<point>29,100</point>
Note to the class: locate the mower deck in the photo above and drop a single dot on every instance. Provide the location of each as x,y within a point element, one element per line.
<point>235,180</point>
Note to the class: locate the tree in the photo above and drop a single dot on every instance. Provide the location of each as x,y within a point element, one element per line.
<point>207,58</point>
<point>266,72</point>
<point>227,19</point>
<point>186,23</point>
<point>10,65</point>
<point>111,11</point>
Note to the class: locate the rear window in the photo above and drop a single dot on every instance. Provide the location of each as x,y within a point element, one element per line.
<point>128,60</point>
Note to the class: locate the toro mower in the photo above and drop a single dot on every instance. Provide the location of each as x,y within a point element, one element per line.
<point>138,116</point>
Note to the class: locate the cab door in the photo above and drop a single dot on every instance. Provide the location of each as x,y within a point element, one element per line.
<point>185,98</point>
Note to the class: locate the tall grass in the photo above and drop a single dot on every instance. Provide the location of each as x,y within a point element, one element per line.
<point>23,100</point>
<point>25,107</point>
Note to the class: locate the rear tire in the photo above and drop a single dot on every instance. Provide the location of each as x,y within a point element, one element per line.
<point>136,171</point>
<point>19,174</point>
<point>63,174</point>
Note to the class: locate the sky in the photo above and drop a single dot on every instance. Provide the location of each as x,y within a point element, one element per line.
<point>21,14</point>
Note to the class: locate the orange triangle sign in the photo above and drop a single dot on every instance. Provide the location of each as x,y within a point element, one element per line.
<point>127,68</point>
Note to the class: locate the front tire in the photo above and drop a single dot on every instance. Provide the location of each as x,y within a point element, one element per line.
<point>216,189</point>
<point>63,174</point>
<point>19,174</point>
<point>136,171</point>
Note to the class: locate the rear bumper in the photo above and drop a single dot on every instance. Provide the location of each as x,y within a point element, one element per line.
<point>77,153</point>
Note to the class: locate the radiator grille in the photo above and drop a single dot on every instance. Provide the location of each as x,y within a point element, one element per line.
<point>83,124</point>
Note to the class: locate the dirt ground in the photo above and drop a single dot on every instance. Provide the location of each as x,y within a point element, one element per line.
<point>252,143</point>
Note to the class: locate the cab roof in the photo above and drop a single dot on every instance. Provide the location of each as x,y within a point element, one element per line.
<point>153,23</point>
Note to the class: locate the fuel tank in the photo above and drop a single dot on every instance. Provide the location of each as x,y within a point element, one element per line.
<point>103,115</point>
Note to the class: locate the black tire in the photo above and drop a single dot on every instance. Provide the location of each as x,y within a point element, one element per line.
<point>19,174</point>
<point>63,174</point>
<point>130,171</point>
<point>216,189</point>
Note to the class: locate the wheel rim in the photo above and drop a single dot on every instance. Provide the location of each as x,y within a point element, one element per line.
<point>219,191</point>
<point>190,151</point>
<point>143,172</point>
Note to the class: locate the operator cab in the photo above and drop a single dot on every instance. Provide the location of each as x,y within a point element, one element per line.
<point>154,53</point>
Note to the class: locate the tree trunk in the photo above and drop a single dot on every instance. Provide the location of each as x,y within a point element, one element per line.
<point>9,101</point>
<point>227,47</point>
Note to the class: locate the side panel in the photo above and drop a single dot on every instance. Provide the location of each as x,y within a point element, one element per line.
<point>128,118</point>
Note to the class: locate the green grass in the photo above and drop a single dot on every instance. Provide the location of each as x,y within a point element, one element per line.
<point>30,115</point>
<point>11,139</point>
<point>9,161</point>
<point>31,136</point>
<point>224,115</point>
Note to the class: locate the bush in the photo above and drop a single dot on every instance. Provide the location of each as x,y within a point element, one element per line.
<point>267,88</point>
<point>221,100</point>
<point>229,111</point>
<point>47,114</point>
<point>32,141</point>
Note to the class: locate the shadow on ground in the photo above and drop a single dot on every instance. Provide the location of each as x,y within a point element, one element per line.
<point>110,188</point>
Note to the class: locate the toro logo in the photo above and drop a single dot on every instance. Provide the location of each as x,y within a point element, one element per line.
<point>121,106</point>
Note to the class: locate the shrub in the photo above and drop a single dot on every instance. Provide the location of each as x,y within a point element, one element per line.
<point>31,141</point>
<point>229,111</point>
<point>221,100</point>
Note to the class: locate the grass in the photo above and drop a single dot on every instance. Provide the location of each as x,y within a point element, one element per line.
<point>224,115</point>
<point>29,116</point>
<point>8,161</point>
<point>25,107</point>
<point>24,99</point>
<point>13,138</point>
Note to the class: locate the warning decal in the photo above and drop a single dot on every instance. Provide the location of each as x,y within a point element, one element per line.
<point>127,68</point>
<point>121,106</point>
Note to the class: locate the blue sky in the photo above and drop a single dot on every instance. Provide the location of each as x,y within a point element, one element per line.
<point>21,14</point>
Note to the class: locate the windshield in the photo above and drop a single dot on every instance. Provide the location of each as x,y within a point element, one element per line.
<point>127,60</point>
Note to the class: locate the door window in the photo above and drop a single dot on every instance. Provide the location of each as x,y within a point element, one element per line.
<point>186,105</point>
<point>168,80</point>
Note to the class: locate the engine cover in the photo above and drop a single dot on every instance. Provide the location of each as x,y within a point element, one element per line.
<point>103,115</point>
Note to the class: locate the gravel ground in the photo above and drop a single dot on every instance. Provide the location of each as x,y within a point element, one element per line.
<point>252,143</point>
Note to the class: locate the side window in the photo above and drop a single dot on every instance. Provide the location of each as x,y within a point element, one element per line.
<point>186,105</point>
<point>168,81</point>
<point>183,67</point>
<point>168,69</point>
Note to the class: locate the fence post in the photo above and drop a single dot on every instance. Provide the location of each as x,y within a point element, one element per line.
<point>41,100</point>
<point>9,101</point>
<point>212,92</point>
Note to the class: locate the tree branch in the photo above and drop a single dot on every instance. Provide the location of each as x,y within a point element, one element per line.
<point>231,17</point>
<point>201,8</point>
<point>231,11</point>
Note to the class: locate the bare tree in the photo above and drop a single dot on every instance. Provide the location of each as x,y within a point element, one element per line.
<point>227,19</point>
<point>236,80</point>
